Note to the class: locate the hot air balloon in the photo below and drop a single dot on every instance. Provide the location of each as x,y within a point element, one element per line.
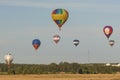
<point>111,42</point>
<point>108,31</point>
<point>60,16</point>
<point>56,38</point>
<point>75,42</point>
<point>8,58</point>
<point>36,43</point>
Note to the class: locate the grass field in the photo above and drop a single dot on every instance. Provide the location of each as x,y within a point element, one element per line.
<point>62,77</point>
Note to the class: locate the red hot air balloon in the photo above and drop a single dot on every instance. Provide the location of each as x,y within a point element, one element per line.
<point>36,43</point>
<point>108,31</point>
<point>56,38</point>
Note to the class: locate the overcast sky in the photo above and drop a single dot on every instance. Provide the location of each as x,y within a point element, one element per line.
<point>21,21</point>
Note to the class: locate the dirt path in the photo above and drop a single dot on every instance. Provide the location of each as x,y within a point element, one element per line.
<point>62,77</point>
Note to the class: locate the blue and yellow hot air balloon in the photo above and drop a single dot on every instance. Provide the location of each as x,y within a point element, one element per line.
<point>60,16</point>
<point>36,43</point>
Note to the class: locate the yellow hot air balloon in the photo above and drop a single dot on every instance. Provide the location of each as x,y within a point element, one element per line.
<point>60,16</point>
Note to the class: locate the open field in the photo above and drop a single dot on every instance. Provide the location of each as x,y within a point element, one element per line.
<point>62,77</point>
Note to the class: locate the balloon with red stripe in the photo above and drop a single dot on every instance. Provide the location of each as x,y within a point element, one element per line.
<point>56,38</point>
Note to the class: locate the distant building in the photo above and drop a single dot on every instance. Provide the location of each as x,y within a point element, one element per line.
<point>107,64</point>
<point>113,64</point>
<point>117,65</point>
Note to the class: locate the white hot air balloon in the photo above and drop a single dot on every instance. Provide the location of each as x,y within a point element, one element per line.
<point>56,38</point>
<point>8,59</point>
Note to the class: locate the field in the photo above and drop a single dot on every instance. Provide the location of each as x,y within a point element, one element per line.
<point>62,77</point>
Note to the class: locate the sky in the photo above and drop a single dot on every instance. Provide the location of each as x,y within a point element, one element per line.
<point>21,21</point>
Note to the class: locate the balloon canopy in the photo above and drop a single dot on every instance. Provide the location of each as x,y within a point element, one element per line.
<point>60,16</point>
<point>108,31</point>
<point>111,42</point>
<point>75,42</point>
<point>56,38</point>
<point>8,58</point>
<point>36,43</point>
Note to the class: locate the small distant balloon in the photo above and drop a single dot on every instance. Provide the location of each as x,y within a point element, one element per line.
<point>56,38</point>
<point>8,58</point>
<point>36,43</point>
<point>111,42</point>
<point>75,42</point>
<point>108,31</point>
<point>60,16</point>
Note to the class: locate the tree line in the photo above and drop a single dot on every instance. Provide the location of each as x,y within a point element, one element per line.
<point>62,67</point>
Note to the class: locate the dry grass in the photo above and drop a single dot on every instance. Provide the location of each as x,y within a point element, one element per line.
<point>62,77</point>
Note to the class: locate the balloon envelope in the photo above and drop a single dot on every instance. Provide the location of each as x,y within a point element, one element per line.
<point>8,58</point>
<point>75,42</point>
<point>60,16</point>
<point>111,42</point>
<point>108,31</point>
<point>56,38</point>
<point>36,43</point>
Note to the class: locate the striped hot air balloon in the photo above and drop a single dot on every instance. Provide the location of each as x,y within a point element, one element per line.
<point>60,16</point>
<point>76,42</point>
<point>56,38</point>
